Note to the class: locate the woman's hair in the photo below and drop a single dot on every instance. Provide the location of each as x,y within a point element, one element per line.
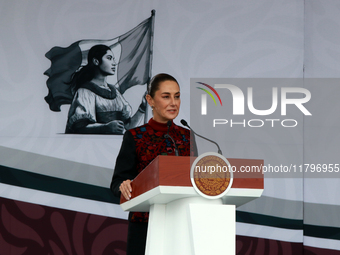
<point>87,72</point>
<point>156,81</point>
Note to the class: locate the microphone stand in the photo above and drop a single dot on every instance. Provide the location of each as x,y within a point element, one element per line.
<point>169,123</point>
<point>184,123</point>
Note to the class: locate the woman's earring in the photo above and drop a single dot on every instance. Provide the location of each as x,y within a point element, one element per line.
<point>95,62</point>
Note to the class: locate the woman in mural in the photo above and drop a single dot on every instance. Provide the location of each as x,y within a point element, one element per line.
<point>142,144</point>
<point>99,107</point>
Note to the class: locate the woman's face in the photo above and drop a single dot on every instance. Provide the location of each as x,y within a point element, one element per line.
<point>166,102</point>
<point>108,64</point>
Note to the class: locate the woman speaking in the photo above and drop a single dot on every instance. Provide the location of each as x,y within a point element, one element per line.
<point>142,144</point>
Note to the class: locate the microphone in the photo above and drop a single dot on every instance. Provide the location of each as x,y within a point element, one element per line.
<point>169,123</point>
<point>184,123</point>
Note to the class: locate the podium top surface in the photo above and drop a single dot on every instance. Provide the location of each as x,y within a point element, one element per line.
<point>174,171</point>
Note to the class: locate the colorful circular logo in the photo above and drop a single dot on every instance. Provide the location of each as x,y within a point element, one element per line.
<point>211,176</point>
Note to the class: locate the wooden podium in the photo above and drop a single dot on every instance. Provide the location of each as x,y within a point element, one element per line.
<point>181,221</point>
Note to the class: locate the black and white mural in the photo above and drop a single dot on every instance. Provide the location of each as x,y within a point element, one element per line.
<point>79,76</point>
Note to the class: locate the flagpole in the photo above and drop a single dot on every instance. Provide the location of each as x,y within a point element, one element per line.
<point>153,13</point>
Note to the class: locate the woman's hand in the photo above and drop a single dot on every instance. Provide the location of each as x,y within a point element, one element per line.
<point>125,189</point>
<point>115,127</point>
<point>142,106</point>
<point>126,112</point>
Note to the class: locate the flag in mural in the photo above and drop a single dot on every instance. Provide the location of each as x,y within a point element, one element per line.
<point>132,50</point>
